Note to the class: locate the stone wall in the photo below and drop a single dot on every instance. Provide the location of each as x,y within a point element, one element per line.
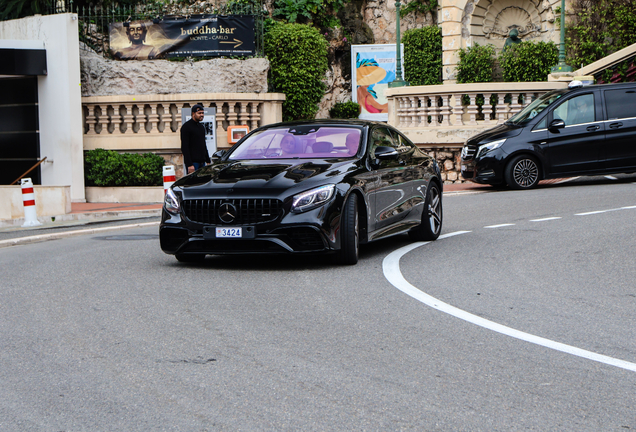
<point>105,77</point>
<point>449,160</point>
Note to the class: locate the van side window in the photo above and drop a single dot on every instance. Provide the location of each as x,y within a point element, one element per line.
<point>620,103</point>
<point>541,124</point>
<point>578,110</point>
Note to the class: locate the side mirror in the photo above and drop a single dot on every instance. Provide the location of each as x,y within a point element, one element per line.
<point>556,124</point>
<point>219,154</point>
<point>382,152</point>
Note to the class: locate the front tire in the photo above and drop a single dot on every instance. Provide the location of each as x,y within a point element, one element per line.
<point>522,172</point>
<point>432,217</point>
<point>349,232</point>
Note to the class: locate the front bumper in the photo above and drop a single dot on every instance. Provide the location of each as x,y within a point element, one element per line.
<point>313,231</point>
<point>485,170</point>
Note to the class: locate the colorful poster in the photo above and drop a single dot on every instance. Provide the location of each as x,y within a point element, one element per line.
<point>372,69</point>
<point>206,36</point>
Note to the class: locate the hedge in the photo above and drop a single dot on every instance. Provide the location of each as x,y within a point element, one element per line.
<point>298,61</point>
<point>423,56</point>
<point>109,168</point>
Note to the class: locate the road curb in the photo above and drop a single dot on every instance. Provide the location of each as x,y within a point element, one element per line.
<point>55,236</point>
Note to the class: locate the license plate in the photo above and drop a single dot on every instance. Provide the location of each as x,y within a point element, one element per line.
<point>229,232</point>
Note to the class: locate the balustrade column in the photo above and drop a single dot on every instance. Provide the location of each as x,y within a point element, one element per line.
<point>459,110</point>
<point>473,109</point>
<point>151,119</point>
<point>91,119</point>
<point>129,118</point>
<point>103,113</point>
<point>434,111</point>
<point>231,114</point>
<point>220,116</point>
<point>445,110</point>
<point>486,108</point>
<point>515,106</point>
<point>255,116</point>
<point>116,120</point>
<point>243,114</point>
<point>422,111</point>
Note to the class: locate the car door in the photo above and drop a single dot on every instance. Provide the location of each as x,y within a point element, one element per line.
<point>389,199</point>
<point>575,146</point>
<point>619,148</point>
<point>418,167</point>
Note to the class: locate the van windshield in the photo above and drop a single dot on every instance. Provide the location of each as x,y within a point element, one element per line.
<point>536,107</point>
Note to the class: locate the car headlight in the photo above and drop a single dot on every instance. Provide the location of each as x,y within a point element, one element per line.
<point>485,148</point>
<point>171,202</point>
<point>312,198</point>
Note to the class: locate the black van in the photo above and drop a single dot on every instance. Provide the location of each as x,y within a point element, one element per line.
<point>581,130</point>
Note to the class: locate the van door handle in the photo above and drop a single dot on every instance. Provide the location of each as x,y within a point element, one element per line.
<point>616,125</point>
<point>593,128</point>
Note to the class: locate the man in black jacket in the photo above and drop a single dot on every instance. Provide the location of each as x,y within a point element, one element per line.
<point>195,152</point>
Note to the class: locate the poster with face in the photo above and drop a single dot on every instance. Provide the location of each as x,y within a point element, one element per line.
<point>372,69</point>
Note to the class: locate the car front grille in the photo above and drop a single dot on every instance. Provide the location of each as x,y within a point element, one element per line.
<point>247,211</point>
<point>468,153</point>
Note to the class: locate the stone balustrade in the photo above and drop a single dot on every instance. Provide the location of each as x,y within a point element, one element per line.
<point>151,123</point>
<point>443,115</point>
<point>440,118</point>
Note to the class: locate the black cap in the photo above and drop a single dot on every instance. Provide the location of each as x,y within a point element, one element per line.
<point>196,108</point>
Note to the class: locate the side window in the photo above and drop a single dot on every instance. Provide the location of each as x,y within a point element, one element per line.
<point>620,103</point>
<point>381,137</point>
<point>578,110</point>
<point>541,124</point>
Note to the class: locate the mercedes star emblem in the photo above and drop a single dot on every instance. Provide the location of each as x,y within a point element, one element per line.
<point>227,213</point>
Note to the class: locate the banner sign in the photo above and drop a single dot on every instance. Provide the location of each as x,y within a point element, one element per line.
<point>204,36</point>
<point>373,67</point>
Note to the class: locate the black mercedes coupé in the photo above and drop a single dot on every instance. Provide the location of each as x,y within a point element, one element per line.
<point>321,186</point>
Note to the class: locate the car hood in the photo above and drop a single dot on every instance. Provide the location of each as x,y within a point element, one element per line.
<point>260,177</point>
<point>498,132</point>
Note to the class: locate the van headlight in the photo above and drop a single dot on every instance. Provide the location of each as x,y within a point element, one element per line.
<point>171,202</point>
<point>485,148</point>
<point>312,198</point>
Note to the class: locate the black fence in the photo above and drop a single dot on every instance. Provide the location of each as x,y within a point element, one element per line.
<point>94,21</point>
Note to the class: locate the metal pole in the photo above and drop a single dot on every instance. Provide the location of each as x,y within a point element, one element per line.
<point>562,67</point>
<point>398,82</point>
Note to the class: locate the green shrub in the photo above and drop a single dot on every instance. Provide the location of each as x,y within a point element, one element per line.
<point>476,64</point>
<point>528,61</point>
<point>109,168</point>
<point>598,28</point>
<point>423,56</point>
<point>298,61</point>
<point>345,110</point>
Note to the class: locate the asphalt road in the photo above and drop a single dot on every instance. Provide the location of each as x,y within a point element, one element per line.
<point>105,332</point>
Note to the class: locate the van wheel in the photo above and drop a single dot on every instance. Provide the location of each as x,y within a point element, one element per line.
<point>349,232</point>
<point>522,172</point>
<point>431,225</point>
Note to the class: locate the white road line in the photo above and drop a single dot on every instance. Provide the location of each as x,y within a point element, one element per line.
<point>545,219</point>
<point>590,213</point>
<point>499,226</point>
<point>58,235</point>
<point>604,211</point>
<point>391,268</point>
<point>611,177</point>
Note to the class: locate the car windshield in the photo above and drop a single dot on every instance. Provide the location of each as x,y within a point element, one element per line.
<point>537,105</point>
<point>300,142</point>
